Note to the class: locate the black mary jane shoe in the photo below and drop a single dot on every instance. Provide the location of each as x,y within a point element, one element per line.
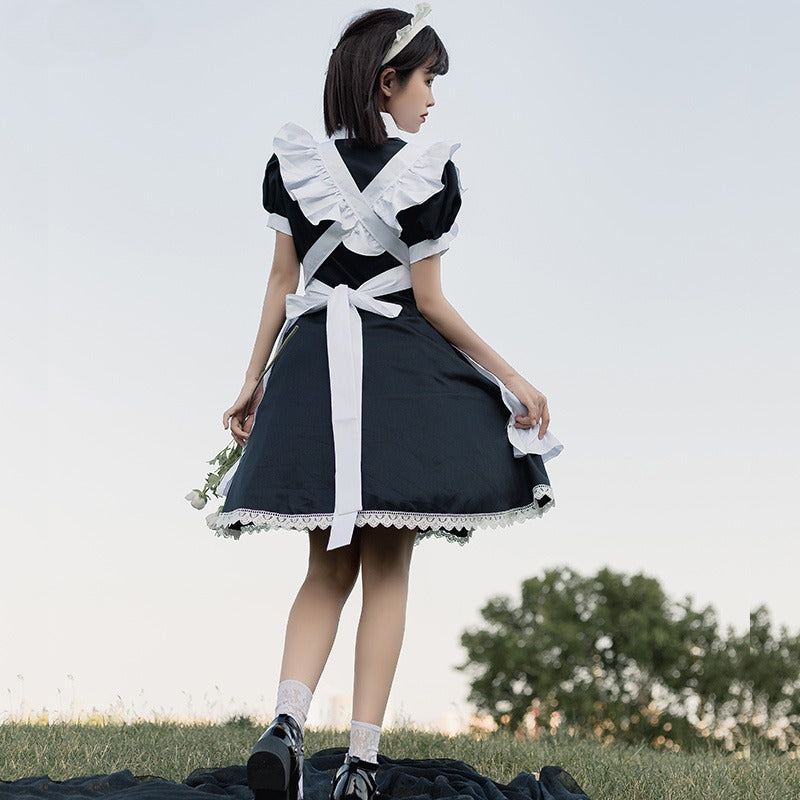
<point>356,779</point>
<point>275,765</point>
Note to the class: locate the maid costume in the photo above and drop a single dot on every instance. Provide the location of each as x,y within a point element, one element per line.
<point>369,416</point>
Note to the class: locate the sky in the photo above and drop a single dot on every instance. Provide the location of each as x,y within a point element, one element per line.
<point>628,242</point>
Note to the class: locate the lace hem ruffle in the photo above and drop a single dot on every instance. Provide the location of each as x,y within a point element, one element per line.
<point>441,525</point>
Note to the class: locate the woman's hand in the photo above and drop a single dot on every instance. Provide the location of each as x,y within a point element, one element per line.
<point>241,412</point>
<point>533,400</point>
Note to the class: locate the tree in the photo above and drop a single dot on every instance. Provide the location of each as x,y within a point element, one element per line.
<point>616,659</point>
<point>766,687</point>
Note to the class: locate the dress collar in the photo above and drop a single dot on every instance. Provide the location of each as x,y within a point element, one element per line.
<point>391,128</point>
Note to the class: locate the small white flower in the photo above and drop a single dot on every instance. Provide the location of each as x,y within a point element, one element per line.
<point>196,499</point>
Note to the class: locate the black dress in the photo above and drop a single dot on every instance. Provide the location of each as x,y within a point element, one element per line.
<point>414,433</point>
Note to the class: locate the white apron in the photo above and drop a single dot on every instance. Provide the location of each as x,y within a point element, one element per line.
<point>344,342</point>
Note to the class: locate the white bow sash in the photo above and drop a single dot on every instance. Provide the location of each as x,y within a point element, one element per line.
<point>345,366</point>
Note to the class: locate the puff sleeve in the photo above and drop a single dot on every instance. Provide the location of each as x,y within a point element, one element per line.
<point>275,198</point>
<point>428,228</point>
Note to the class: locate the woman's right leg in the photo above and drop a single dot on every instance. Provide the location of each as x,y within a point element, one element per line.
<point>314,616</point>
<point>275,765</point>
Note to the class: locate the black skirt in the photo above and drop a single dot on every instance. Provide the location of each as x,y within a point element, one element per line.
<point>435,451</point>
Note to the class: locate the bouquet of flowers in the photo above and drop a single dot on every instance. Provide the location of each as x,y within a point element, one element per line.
<point>230,454</point>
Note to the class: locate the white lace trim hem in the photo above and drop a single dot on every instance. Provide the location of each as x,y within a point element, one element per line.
<point>439,525</point>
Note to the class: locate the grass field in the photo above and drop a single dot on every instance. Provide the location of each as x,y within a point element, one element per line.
<point>605,772</point>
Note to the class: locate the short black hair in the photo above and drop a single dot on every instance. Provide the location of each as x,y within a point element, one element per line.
<point>351,96</point>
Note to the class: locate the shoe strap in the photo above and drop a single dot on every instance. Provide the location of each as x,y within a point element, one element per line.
<point>286,727</point>
<point>354,762</point>
<point>366,776</point>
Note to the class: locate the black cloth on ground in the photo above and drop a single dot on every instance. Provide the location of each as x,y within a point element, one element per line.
<point>407,778</point>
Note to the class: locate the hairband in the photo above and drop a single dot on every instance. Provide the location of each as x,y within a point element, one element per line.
<point>405,34</point>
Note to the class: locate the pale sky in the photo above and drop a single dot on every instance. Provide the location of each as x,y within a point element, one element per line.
<point>628,242</point>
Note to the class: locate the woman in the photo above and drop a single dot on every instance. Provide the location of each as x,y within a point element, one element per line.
<point>385,419</point>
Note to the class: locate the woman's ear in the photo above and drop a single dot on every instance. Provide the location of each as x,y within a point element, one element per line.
<point>387,80</point>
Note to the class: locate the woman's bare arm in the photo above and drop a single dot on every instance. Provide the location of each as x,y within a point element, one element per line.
<point>434,306</point>
<point>283,279</point>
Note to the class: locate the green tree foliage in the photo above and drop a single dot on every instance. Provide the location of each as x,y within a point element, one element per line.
<point>766,689</point>
<point>615,658</point>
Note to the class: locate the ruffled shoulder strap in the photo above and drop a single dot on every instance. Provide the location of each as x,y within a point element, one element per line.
<point>420,180</point>
<point>306,179</point>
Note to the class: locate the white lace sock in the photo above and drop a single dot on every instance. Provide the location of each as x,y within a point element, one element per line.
<point>364,738</point>
<point>294,698</point>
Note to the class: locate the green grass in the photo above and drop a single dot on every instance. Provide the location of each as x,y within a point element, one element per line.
<point>606,772</point>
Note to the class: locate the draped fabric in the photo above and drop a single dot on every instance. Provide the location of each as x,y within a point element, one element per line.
<point>406,778</point>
